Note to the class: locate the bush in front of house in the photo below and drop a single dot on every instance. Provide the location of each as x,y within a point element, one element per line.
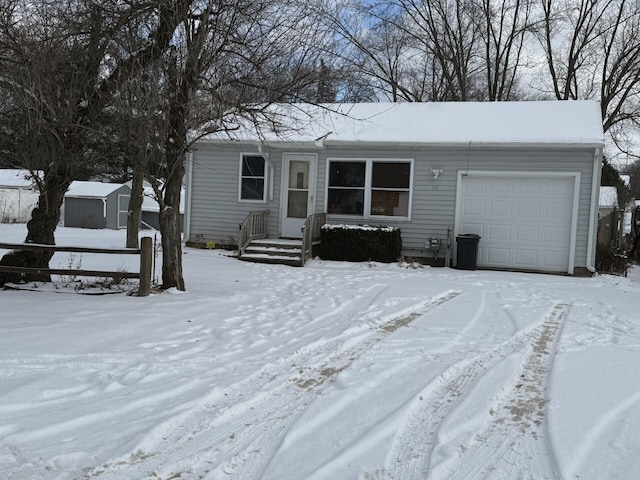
<point>359,243</point>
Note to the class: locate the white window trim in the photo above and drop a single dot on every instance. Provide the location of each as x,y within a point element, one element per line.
<point>368,188</point>
<point>266,180</point>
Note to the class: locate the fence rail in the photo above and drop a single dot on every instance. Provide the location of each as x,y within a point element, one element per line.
<point>144,274</point>
<point>311,234</point>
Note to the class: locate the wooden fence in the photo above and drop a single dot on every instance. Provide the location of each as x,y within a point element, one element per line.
<point>144,275</point>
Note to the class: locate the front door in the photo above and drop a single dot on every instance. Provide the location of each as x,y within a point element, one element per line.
<point>298,187</point>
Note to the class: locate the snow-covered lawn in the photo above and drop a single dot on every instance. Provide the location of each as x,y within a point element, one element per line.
<point>333,371</point>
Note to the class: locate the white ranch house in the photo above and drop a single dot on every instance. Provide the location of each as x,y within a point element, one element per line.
<point>523,175</point>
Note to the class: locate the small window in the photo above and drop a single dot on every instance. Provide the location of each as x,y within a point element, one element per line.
<point>253,178</point>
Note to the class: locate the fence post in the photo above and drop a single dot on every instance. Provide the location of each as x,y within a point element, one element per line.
<point>146,255</point>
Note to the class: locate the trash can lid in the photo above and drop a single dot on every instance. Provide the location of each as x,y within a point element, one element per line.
<point>469,235</point>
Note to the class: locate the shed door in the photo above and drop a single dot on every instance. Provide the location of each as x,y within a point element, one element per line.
<point>123,210</point>
<point>526,221</point>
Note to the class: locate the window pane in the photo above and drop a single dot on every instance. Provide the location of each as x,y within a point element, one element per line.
<point>299,175</point>
<point>392,204</point>
<point>253,166</point>
<point>346,201</point>
<point>391,174</point>
<point>252,189</point>
<point>297,204</point>
<point>346,174</point>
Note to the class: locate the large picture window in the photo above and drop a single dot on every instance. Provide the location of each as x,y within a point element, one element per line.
<point>369,188</point>
<point>252,178</point>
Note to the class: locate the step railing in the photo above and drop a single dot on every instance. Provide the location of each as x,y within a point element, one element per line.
<point>311,234</point>
<point>252,227</point>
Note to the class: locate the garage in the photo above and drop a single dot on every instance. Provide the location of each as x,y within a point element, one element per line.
<point>527,220</point>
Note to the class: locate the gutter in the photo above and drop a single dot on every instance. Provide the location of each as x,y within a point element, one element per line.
<point>593,214</point>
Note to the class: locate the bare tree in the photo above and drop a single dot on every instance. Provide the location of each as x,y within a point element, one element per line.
<point>61,64</point>
<point>505,29</point>
<point>592,50</point>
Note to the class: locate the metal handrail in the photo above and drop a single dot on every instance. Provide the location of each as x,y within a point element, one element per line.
<point>252,227</point>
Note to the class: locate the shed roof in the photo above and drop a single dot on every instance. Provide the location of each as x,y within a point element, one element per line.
<point>92,189</point>
<point>539,122</point>
<point>608,197</point>
<point>15,178</point>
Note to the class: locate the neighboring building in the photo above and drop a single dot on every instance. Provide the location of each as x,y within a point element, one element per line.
<point>151,210</point>
<point>96,205</point>
<point>608,217</point>
<point>523,175</point>
<point>18,195</point>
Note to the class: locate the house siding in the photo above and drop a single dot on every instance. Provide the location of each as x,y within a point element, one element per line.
<point>216,211</point>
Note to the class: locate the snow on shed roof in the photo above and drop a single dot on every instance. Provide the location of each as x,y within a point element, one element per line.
<point>540,122</point>
<point>149,203</point>
<point>608,197</point>
<point>15,178</point>
<point>92,189</point>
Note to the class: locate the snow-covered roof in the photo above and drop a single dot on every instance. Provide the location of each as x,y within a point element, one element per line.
<point>15,178</point>
<point>608,197</point>
<point>149,203</point>
<point>540,122</point>
<point>92,189</point>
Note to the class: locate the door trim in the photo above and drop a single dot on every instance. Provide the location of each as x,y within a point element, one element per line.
<point>312,158</point>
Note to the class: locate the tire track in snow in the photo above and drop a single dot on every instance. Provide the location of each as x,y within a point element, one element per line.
<point>510,442</point>
<point>236,434</point>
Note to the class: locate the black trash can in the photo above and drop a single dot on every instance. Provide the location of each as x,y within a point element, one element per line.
<point>467,255</point>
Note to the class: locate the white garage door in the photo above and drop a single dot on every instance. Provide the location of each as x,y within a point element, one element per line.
<point>525,221</point>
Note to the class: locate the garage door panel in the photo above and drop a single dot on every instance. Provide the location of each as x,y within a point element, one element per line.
<point>527,233</point>
<point>475,207</point>
<point>526,258</point>
<point>558,189</point>
<point>553,258</point>
<point>528,208</point>
<point>500,208</point>
<point>524,221</point>
<point>477,228</point>
<point>501,186</point>
<point>499,257</point>
<point>499,232</point>
<point>533,187</point>
<point>554,235</point>
<point>474,185</point>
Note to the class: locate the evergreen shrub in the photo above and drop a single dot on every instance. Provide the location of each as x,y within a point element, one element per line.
<point>359,243</point>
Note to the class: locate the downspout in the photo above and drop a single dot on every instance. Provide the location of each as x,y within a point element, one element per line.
<point>272,169</point>
<point>187,200</point>
<point>593,214</point>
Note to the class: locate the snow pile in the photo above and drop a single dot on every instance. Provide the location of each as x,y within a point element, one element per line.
<point>333,371</point>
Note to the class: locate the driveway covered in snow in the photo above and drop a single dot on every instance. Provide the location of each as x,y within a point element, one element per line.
<point>333,371</point>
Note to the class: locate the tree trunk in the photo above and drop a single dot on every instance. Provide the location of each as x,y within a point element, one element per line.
<point>134,214</point>
<point>40,229</point>
<point>171,240</point>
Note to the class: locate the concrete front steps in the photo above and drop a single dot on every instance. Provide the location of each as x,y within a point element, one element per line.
<point>282,251</point>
